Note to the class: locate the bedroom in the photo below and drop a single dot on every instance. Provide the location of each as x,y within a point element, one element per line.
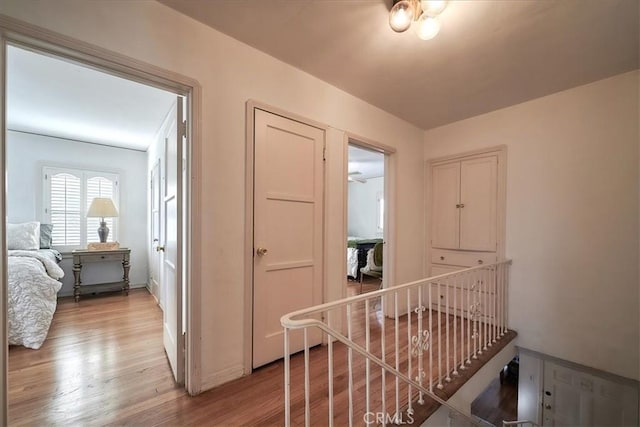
<point>77,135</point>
<point>365,218</point>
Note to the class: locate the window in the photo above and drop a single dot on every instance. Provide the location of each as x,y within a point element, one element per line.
<point>380,210</point>
<point>67,196</point>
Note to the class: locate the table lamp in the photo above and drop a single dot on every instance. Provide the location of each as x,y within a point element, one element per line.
<point>102,208</point>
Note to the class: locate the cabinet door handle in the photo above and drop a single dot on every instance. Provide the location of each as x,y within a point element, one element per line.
<point>441,258</point>
<point>480,261</point>
<point>461,205</point>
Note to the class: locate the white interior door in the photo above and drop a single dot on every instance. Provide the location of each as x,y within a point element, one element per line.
<point>288,223</point>
<point>575,398</point>
<point>171,259</point>
<point>445,199</point>
<point>155,255</point>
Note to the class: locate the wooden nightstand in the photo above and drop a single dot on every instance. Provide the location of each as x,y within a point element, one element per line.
<point>82,256</point>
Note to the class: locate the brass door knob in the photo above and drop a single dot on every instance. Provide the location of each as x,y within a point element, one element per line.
<point>261,251</point>
<point>159,248</point>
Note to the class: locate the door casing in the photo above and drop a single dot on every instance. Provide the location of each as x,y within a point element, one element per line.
<point>31,37</point>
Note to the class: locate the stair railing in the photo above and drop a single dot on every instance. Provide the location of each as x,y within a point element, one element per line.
<point>417,336</point>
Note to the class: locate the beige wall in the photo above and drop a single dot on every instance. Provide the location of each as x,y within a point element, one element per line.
<point>572,218</point>
<point>231,73</point>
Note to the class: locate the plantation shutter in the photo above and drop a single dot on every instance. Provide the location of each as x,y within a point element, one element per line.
<point>65,213</point>
<point>99,186</point>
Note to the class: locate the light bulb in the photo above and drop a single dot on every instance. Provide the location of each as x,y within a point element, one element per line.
<point>401,16</point>
<point>427,27</point>
<point>433,7</point>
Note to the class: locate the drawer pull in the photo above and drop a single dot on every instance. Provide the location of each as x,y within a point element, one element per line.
<point>480,261</point>
<point>442,258</point>
<point>101,256</point>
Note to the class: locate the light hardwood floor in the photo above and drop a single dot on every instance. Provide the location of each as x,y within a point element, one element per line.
<point>103,363</point>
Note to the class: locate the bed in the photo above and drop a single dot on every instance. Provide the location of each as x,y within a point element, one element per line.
<point>357,248</point>
<point>33,285</point>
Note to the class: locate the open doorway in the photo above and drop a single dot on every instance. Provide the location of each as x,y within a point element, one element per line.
<point>365,219</point>
<point>79,275</point>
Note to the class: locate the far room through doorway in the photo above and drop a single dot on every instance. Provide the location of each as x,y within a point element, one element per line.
<point>76,135</point>
<point>365,218</point>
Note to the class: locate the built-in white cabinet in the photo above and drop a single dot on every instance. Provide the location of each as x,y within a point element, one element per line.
<point>464,204</point>
<point>466,213</point>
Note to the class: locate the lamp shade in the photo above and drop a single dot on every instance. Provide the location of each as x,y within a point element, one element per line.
<point>102,208</point>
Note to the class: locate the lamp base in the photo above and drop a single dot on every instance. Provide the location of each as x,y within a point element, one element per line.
<point>103,232</point>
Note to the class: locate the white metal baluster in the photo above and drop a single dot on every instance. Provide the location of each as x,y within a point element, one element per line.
<point>463,293</point>
<point>506,296</point>
<point>481,311</point>
<point>479,317</point>
<point>330,361</point>
<point>397,340</point>
<point>350,364</point>
<point>455,324</point>
<point>430,337</point>
<point>307,410</point>
<point>469,315</point>
<point>440,376</point>
<point>287,380</point>
<point>485,310</point>
<point>447,287</point>
<point>498,302</point>
<point>367,362</point>
<point>384,358</point>
<point>410,389</point>
<point>501,300</point>
<point>505,307</point>
<point>476,286</point>
<point>494,301</point>
<point>419,312</point>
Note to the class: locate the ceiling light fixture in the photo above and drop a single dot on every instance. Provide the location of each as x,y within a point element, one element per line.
<point>423,12</point>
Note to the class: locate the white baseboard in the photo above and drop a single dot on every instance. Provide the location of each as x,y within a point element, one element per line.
<point>221,377</point>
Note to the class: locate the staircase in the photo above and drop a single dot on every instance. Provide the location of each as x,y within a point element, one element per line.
<point>394,356</point>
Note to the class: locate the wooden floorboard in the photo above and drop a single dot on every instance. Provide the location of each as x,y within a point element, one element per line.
<point>103,363</point>
<point>498,402</point>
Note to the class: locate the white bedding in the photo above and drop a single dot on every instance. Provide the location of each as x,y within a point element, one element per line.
<point>352,262</point>
<point>33,288</point>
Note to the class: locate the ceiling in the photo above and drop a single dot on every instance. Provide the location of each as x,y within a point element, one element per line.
<point>49,96</point>
<point>369,163</point>
<point>488,55</point>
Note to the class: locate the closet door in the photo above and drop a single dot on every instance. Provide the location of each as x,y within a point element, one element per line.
<point>445,199</point>
<point>478,203</point>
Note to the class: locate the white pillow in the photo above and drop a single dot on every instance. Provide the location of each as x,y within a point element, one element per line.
<point>25,236</point>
